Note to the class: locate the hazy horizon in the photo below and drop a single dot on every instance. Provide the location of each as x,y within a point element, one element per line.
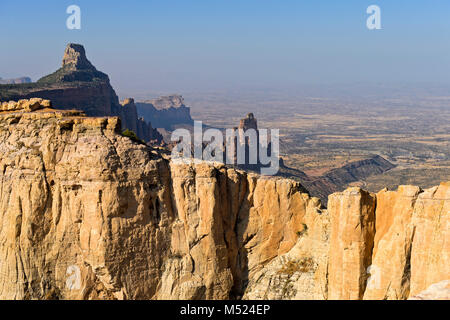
<point>174,46</point>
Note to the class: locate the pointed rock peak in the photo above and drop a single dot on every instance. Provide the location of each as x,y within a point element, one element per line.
<point>75,57</point>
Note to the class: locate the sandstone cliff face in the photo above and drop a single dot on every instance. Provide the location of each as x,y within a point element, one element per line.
<point>86,213</point>
<point>15,81</point>
<point>75,58</point>
<point>430,253</point>
<point>337,179</point>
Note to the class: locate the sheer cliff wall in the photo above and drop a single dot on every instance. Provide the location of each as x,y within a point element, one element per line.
<point>79,85</point>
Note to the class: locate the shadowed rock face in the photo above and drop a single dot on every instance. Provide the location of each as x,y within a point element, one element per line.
<point>249,122</point>
<point>87,213</point>
<point>15,81</point>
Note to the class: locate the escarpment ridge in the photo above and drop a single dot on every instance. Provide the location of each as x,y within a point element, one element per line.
<point>87,213</point>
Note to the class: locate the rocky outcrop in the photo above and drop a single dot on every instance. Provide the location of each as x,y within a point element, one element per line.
<point>79,198</point>
<point>352,214</point>
<point>338,179</point>
<point>75,68</point>
<point>79,85</point>
<point>393,244</point>
<point>86,213</point>
<point>165,112</point>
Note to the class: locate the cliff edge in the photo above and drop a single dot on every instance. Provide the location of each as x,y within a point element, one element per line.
<point>86,213</point>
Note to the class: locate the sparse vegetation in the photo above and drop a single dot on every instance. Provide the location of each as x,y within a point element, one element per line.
<point>176,256</point>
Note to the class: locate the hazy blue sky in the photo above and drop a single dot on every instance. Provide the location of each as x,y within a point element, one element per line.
<point>172,45</point>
